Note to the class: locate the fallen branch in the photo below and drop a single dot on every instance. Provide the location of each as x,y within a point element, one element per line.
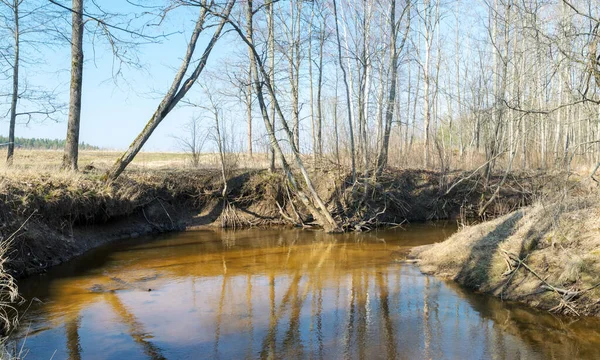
<point>473,173</point>
<point>566,297</point>
<point>283,214</point>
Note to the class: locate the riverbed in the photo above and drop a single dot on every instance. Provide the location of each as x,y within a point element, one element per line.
<point>279,294</point>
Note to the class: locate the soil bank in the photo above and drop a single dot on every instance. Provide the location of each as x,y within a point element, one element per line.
<point>57,216</point>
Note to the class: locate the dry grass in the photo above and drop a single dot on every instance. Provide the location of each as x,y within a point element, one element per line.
<point>50,160</point>
<point>558,244</point>
<point>9,296</point>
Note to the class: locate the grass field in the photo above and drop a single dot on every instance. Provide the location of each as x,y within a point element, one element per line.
<point>48,160</point>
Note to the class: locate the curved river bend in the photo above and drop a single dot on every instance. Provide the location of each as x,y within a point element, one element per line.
<point>279,294</point>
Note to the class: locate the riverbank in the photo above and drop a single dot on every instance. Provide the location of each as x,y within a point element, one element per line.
<point>545,255</point>
<point>65,214</point>
<point>56,216</point>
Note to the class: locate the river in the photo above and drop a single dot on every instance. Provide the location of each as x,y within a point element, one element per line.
<point>279,294</point>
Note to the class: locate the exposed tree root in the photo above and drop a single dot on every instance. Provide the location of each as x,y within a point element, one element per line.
<point>230,218</point>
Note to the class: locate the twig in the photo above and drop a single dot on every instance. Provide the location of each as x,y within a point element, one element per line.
<point>566,296</point>
<point>166,212</point>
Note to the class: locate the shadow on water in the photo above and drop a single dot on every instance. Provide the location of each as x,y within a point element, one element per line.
<point>281,294</point>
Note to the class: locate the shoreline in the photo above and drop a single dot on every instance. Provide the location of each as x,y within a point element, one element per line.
<point>75,216</point>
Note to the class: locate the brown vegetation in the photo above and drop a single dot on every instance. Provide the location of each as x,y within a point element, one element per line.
<point>544,255</point>
<point>150,197</point>
<point>69,213</point>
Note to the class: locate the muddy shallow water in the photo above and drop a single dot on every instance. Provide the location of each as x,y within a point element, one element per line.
<point>279,294</point>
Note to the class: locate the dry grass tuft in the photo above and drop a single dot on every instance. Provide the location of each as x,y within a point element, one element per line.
<point>9,295</point>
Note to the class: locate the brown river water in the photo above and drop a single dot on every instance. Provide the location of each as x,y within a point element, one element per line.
<point>279,294</point>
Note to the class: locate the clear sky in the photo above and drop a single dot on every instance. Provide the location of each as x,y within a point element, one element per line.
<point>114,113</point>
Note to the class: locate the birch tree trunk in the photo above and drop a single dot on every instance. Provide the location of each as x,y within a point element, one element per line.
<point>311,95</point>
<point>271,55</point>
<point>320,91</point>
<point>249,101</point>
<point>382,158</point>
<point>294,67</point>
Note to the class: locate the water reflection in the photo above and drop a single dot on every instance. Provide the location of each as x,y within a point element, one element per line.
<point>280,294</point>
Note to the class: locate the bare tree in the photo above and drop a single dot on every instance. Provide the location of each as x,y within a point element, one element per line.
<point>122,51</point>
<point>14,6</point>
<point>193,139</point>
<point>27,25</point>
<point>430,17</point>
<point>179,88</point>
<point>347,88</point>
<point>319,120</point>
<point>391,102</point>
<point>72,143</point>
<point>271,59</point>
<point>311,200</point>
<point>249,95</point>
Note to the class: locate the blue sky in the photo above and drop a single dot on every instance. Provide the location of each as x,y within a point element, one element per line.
<point>114,113</point>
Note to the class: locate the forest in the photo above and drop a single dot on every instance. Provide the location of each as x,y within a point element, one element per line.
<point>46,144</point>
<point>440,85</point>
<point>336,116</point>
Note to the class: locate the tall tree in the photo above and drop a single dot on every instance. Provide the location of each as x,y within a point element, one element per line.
<point>395,50</point>
<point>271,56</point>
<point>306,193</point>
<point>15,80</point>
<point>347,88</point>
<point>249,97</point>
<point>72,144</point>
<point>27,24</point>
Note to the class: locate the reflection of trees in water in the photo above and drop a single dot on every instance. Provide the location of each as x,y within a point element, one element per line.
<point>292,303</point>
<point>72,335</point>
<point>359,315</point>
<point>250,314</point>
<point>387,323</point>
<point>220,309</point>
<point>317,298</point>
<point>135,328</point>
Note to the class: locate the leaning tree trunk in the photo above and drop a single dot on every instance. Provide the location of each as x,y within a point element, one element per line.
<point>177,90</point>
<point>72,142</point>
<point>15,88</point>
<point>311,200</point>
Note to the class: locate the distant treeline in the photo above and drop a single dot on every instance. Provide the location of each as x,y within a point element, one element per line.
<point>47,144</point>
